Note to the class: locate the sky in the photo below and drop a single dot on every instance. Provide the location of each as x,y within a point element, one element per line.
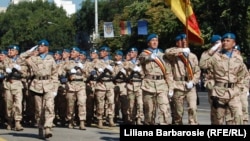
<point>5,3</point>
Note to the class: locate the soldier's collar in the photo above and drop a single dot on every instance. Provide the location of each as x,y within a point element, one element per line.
<point>133,60</point>
<point>43,55</point>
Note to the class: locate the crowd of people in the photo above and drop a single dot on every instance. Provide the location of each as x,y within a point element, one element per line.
<point>137,88</point>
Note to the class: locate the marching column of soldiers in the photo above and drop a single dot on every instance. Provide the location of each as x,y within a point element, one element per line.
<point>137,88</point>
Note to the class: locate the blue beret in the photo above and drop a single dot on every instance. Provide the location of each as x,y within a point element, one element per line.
<point>183,36</point>
<point>229,35</point>
<point>94,51</point>
<point>237,47</point>
<point>177,38</point>
<point>4,52</point>
<point>133,49</point>
<point>58,52</point>
<point>83,53</point>
<point>76,49</point>
<point>105,48</point>
<point>215,38</point>
<point>119,52</point>
<point>66,50</point>
<point>151,36</point>
<point>14,47</point>
<point>43,42</point>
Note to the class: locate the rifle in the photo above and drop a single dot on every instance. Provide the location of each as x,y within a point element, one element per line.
<point>133,74</point>
<point>120,75</point>
<point>99,78</point>
<point>15,73</point>
<point>63,79</point>
<point>2,76</point>
<point>69,74</point>
<point>216,104</point>
<point>91,77</point>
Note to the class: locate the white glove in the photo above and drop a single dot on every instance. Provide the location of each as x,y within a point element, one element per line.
<point>73,70</point>
<point>100,70</point>
<point>153,56</point>
<point>248,93</point>
<point>119,62</point>
<point>33,48</point>
<point>18,67</point>
<point>190,85</point>
<point>109,67</point>
<point>137,69</point>
<point>123,71</point>
<point>170,93</point>
<point>186,50</point>
<point>216,46</point>
<point>8,70</point>
<point>80,65</point>
<point>55,94</point>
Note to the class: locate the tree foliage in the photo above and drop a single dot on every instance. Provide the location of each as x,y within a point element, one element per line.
<point>28,22</point>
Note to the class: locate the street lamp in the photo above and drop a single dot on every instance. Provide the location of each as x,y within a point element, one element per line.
<point>96,33</point>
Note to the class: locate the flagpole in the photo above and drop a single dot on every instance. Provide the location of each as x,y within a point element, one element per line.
<point>96,20</point>
<point>186,16</point>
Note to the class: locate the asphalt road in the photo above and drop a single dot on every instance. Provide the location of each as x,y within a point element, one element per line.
<point>93,133</point>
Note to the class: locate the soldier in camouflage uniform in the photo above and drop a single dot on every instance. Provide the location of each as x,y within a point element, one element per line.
<point>3,56</point>
<point>13,95</point>
<point>76,89</point>
<point>243,95</point>
<point>104,88</point>
<point>229,72</point>
<point>215,41</point>
<point>184,80</point>
<point>156,84</point>
<point>90,85</point>
<point>245,91</point>
<point>44,85</point>
<point>121,100</point>
<point>134,81</point>
<point>61,93</point>
<point>31,112</point>
<point>58,59</point>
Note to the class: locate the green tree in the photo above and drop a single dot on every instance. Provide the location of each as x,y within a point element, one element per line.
<point>28,22</point>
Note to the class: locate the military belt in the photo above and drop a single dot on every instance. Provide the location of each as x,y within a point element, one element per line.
<point>155,77</point>
<point>225,85</point>
<point>108,80</point>
<point>119,81</point>
<point>15,78</point>
<point>42,77</point>
<point>77,80</point>
<point>183,78</point>
<point>136,80</point>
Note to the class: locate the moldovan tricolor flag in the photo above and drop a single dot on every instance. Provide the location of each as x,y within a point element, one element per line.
<point>183,10</point>
<point>125,27</point>
<point>108,29</point>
